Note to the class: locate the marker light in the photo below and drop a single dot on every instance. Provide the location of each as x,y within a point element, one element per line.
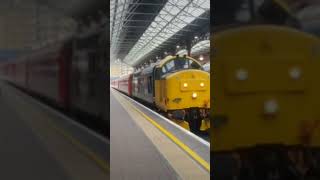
<point>295,73</point>
<point>194,95</point>
<point>185,84</point>
<point>202,84</point>
<point>242,74</point>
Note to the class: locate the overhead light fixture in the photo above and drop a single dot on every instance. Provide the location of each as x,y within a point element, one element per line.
<point>201,58</point>
<point>178,46</point>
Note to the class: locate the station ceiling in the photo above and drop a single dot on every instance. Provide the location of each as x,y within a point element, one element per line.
<point>139,28</point>
<point>128,20</point>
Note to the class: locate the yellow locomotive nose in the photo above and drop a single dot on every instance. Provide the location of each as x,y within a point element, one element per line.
<point>187,89</point>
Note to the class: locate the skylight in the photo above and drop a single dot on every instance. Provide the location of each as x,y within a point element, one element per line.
<point>175,15</point>
<point>201,47</point>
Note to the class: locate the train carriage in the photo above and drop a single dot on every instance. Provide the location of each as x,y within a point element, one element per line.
<point>124,84</point>
<point>143,85</point>
<point>69,75</point>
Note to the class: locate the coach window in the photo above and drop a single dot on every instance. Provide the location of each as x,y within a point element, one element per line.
<point>135,84</point>
<point>140,82</point>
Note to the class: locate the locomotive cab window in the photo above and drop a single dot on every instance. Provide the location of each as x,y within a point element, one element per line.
<point>179,64</point>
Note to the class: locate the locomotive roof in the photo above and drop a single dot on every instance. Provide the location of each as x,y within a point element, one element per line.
<point>169,58</point>
<point>149,69</point>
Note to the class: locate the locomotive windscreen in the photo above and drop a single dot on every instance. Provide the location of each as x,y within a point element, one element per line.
<point>179,64</point>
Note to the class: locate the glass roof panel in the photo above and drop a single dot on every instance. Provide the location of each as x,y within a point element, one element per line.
<point>182,52</point>
<point>201,47</point>
<point>118,10</point>
<point>174,16</point>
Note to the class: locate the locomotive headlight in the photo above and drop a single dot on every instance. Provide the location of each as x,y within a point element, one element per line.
<point>271,106</point>
<point>194,95</point>
<point>242,74</point>
<point>295,73</point>
<point>202,84</point>
<point>185,84</point>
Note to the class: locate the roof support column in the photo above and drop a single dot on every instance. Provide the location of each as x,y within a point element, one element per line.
<point>188,46</point>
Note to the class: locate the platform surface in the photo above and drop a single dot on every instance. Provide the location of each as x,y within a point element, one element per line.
<point>31,149</point>
<point>140,151</point>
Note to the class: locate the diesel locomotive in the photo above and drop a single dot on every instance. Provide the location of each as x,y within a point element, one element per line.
<point>265,117</point>
<point>176,85</point>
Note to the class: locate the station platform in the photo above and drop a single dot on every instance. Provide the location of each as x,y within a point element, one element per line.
<point>145,145</point>
<point>39,143</point>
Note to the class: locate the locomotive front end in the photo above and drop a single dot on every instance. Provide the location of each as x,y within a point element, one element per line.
<point>266,99</point>
<point>183,91</point>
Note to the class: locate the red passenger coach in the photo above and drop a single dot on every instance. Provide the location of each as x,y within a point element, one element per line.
<point>42,72</point>
<point>47,74</point>
<point>125,84</point>
<point>69,75</point>
<point>114,83</point>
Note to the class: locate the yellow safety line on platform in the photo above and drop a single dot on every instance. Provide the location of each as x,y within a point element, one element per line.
<point>193,154</point>
<point>101,163</point>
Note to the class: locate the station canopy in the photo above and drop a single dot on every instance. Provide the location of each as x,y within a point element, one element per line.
<point>170,18</point>
<point>201,48</point>
<point>182,52</point>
